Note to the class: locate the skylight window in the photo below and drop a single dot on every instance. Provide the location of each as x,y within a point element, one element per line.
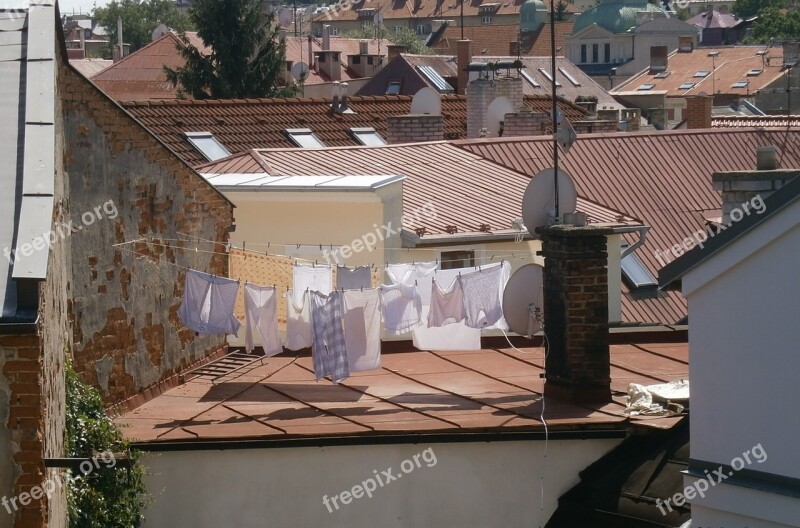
<point>755,72</point>
<point>569,77</point>
<point>207,145</point>
<point>646,86</point>
<point>702,73</point>
<point>663,75</point>
<point>740,84</point>
<point>367,136</point>
<point>546,73</point>
<point>304,137</point>
<point>528,77</point>
<point>435,79</point>
<point>686,86</point>
<point>635,272</point>
<point>393,88</point>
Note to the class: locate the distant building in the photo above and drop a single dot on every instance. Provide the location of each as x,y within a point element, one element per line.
<point>719,28</point>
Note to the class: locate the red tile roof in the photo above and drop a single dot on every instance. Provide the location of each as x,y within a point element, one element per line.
<point>716,20</point>
<point>449,392</point>
<point>427,9</point>
<point>732,65</point>
<point>297,51</point>
<point>241,125</point>
<point>488,193</point>
<point>662,178</point>
<point>496,39</point>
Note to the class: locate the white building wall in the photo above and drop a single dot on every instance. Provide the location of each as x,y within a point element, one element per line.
<point>480,484</point>
<point>743,338</point>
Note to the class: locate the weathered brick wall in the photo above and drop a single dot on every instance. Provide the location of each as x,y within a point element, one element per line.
<point>576,313</point>
<point>698,111</point>
<point>518,124</point>
<point>593,127</point>
<point>414,128</point>
<point>127,336</point>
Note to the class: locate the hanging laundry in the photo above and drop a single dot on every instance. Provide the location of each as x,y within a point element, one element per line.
<point>362,329</point>
<point>312,278</point>
<point>419,274</point>
<point>483,295</point>
<point>298,321</point>
<point>401,307</point>
<point>261,313</point>
<point>400,273</point>
<point>208,304</point>
<point>328,352</point>
<point>447,306</point>
<point>353,278</point>
<point>456,336</point>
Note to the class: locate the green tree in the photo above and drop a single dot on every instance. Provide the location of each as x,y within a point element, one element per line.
<point>103,494</point>
<point>139,19</point>
<point>562,11</point>
<point>403,37</point>
<point>749,8</point>
<point>772,23</point>
<point>246,56</point>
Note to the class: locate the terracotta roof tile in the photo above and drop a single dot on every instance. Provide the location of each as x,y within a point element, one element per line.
<point>260,123</point>
<point>448,392</point>
<point>497,39</point>
<point>427,9</point>
<point>662,178</point>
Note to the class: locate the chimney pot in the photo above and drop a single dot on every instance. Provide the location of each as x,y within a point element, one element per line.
<point>463,58</point>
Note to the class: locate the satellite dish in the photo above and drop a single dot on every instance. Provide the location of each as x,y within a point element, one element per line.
<point>426,101</point>
<point>566,135</point>
<point>300,71</point>
<point>378,18</point>
<point>285,17</point>
<point>538,202</point>
<point>495,115</point>
<point>523,292</point>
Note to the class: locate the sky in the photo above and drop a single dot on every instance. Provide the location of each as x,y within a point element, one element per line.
<point>66,6</point>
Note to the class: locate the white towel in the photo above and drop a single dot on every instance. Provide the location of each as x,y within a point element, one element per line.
<point>261,313</point>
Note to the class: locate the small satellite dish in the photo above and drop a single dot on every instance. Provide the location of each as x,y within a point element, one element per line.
<point>378,19</point>
<point>300,71</point>
<point>523,292</point>
<point>495,115</point>
<point>538,202</point>
<point>566,135</point>
<point>426,101</point>
<point>285,17</point>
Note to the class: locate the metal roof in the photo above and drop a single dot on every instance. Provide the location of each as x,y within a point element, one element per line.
<point>27,118</point>
<point>490,390</point>
<point>259,182</point>
<point>662,178</point>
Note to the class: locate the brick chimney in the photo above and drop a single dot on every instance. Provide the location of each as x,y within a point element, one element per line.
<point>463,58</point>
<point>633,117</point>
<point>511,88</point>
<point>578,366</point>
<point>739,187</point>
<point>698,111</point>
<point>480,93</point>
<point>525,123</point>
<point>413,128</point>
<point>393,51</point>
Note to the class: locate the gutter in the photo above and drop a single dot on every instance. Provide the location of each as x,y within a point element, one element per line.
<point>435,438</point>
<point>411,240</point>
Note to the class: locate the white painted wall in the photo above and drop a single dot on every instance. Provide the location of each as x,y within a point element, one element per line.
<point>481,484</point>
<point>744,363</point>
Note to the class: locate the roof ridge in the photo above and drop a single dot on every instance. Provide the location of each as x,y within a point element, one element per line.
<point>169,34</point>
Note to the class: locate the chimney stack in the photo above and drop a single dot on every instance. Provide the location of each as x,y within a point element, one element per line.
<point>578,364</point>
<point>335,98</point>
<point>511,88</point>
<point>698,111</point>
<point>343,102</point>
<point>310,53</point>
<point>480,93</point>
<point>414,128</point>
<point>393,51</point>
<point>463,58</point>
<point>326,37</point>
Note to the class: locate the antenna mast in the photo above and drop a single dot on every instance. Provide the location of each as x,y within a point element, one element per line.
<point>555,105</point>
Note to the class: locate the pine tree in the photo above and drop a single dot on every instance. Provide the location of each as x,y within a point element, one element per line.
<point>245,56</point>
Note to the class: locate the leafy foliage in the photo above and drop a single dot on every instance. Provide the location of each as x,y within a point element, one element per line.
<point>139,19</point>
<point>109,496</point>
<point>562,11</point>
<point>245,57</point>
<point>772,24</point>
<point>749,8</point>
<point>402,37</point>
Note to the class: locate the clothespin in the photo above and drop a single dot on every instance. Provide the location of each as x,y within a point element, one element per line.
<point>320,247</point>
<point>274,286</point>
<point>362,289</point>
<point>244,248</point>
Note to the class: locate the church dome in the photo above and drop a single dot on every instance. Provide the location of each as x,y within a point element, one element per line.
<point>532,15</point>
<point>614,15</point>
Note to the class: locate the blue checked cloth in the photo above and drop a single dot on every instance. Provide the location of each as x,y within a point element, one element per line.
<point>328,349</point>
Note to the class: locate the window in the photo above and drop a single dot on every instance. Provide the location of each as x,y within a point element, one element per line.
<point>583,53</point>
<point>755,72</point>
<point>646,86</point>
<point>321,57</point>
<point>355,59</point>
<point>607,52</point>
<point>702,73</point>
<point>546,73</point>
<point>366,24</point>
<point>595,52</point>
<point>634,271</point>
<point>740,84</point>
<point>528,77</point>
<point>334,31</point>
<point>435,79</point>
<point>662,75</point>
<point>393,88</point>
<point>367,136</point>
<point>398,29</point>
<point>304,137</point>
<point>569,77</point>
<point>370,60</point>
<point>486,20</point>
<point>686,86</point>
<point>422,29</point>
<point>457,259</point>
<point>207,145</point>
